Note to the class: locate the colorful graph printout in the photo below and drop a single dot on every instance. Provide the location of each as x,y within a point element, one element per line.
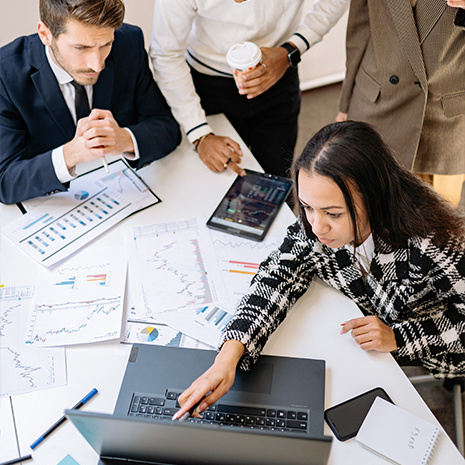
<point>24,368</point>
<point>192,278</point>
<point>66,221</point>
<point>159,334</point>
<point>81,301</point>
<point>203,323</point>
<point>239,260</point>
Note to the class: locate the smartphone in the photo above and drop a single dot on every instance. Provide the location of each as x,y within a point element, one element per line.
<point>346,418</point>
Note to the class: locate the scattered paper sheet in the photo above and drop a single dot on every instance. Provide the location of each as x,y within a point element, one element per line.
<point>66,221</point>
<point>81,301</point>
<point>24,368</point>
<point>191,278</point>
<point>159,334</point>
<point>174,265</point>
<point>239,260</point>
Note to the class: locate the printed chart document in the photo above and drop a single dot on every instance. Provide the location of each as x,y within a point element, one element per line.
<point>398,435</point>
<point>191,278</point>
<point>24,368</point>
<point>203,323</point>
<point>174,265</point>
<point>81,301</point>
<point>159,334</point>
<point>66,221</point>
<point>239,260</point>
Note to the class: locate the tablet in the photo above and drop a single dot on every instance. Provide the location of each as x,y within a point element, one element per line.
<point>250,205</point>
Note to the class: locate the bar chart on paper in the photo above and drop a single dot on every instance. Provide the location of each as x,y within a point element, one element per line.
<point>23,368</point>
<point>204,323</point>
<point>239,260</point>
<point>68,220</point>
<point>81,301</point>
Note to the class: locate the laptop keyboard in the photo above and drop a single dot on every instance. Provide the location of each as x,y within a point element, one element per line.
<point>275,419</point>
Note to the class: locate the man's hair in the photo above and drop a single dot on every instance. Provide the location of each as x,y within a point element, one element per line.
<point>398,203</point>
<point>101,13</point>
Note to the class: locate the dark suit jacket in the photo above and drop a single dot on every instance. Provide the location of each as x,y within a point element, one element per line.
<point>34,118</point>
<point>406,76</point>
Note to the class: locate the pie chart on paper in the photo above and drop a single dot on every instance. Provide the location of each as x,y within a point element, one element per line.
<point>148,334</point>
<point>81,195</point>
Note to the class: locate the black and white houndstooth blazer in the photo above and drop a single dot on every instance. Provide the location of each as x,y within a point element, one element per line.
<point>419,291</point>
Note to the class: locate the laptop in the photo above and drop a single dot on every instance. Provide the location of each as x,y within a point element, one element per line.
<point>273,414</point>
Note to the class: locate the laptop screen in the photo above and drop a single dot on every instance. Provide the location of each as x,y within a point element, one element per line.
<point>176,443</point>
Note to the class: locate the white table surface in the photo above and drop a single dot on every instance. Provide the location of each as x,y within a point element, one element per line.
<point>188,188</point>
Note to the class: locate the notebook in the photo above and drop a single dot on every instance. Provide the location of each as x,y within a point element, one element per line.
<point>398,435</point>
<point>288,391</point>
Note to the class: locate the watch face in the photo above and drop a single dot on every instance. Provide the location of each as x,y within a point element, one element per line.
<point>294,57</point>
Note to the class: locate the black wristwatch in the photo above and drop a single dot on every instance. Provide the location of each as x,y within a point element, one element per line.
<point>293,54</point>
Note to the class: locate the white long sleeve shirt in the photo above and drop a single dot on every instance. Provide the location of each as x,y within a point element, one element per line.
<point>201,32</point>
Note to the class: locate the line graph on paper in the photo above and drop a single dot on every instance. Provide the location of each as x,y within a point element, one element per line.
<point>74,322</point>
<point>175,265</point>
<point>81,301</point>
<point>23,368</point>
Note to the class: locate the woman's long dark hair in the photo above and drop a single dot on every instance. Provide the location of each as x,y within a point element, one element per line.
<point>398,203</point>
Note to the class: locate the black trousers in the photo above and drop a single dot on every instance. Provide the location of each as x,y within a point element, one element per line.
<point>267,123</point>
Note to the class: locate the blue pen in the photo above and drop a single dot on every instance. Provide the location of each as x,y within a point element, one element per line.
<point>63,419</point>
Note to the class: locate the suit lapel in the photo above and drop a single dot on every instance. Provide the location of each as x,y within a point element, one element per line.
<point>404,22</point>
<point>103,89</point>
<point>427,13</point>
<point>48,89</point>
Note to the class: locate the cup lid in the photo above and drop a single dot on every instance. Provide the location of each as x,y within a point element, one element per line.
<point>243,55</point>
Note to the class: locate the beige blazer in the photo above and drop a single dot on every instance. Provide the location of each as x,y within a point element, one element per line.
<point>406,76</point>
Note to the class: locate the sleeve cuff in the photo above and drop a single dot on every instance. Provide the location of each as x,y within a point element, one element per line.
<point>136,155</point>
<point>198,132</point>
<point>300,42</point>
<point>59,165</point>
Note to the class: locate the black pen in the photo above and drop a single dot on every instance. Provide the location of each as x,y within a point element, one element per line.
<point>63,419</point>
<point>18,460</point>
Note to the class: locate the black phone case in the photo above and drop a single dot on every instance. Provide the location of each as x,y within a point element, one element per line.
<point>358,415</point>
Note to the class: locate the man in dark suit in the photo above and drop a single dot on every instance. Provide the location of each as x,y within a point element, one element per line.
<point>81,45</point>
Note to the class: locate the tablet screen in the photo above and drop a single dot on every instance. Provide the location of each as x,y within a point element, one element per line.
<point>250,205</point>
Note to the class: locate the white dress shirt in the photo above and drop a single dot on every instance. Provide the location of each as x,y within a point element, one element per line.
<point>364,253</point>
<point>64,81</point>
<point>201,32</point>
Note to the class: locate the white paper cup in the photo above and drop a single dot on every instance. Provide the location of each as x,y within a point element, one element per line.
<point>243,57</point>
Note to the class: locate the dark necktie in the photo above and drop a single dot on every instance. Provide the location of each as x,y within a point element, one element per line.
<point>81,101</point>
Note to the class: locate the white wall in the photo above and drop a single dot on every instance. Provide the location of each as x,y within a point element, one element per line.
<point>323,64</point>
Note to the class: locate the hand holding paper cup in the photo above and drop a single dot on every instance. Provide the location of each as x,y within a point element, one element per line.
<point>242,58</point>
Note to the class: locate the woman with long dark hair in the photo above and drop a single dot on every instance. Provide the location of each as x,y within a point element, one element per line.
<point>376,232</point>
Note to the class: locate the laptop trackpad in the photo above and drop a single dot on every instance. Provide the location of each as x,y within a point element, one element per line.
<point>259,380</point>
